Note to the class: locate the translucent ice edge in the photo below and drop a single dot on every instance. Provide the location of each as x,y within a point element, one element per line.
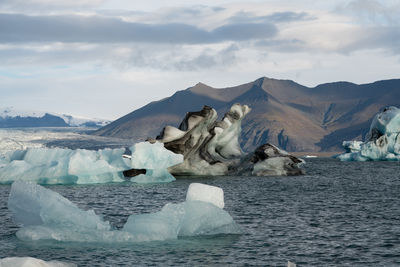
<point>46,215</point>
<point>66,166</point>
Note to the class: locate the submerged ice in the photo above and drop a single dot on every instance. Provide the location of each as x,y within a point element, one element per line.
<point>80,166</point>
<point>382,141</point>
<point>46,215</point>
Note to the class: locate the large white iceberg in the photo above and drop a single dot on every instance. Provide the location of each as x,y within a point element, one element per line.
<point>46,215</point>
<point>80,166</point>
<point>382,141</point>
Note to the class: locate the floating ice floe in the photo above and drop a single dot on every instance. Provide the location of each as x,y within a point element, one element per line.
<point>382,141</point>
<point>211,147</point>
<point>80,166</point>
<point>32,262</point>
<point>46,215</point>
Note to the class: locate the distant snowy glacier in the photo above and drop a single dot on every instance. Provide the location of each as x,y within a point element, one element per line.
<point>67,166</point>
<point>382,141</point>
<point>13,118</point>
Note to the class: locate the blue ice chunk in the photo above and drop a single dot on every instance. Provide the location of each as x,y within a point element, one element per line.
<point>46,215</point>
<point>156,159</point>
<point>32,204</point>
<point>161,225</point>
<point>63,166</point>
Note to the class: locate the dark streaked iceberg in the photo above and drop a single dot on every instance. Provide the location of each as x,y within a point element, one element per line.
<point>382,141</point>
<point>211,147</point>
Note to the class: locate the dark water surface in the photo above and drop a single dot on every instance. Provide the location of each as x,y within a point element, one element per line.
<point>339,214</point>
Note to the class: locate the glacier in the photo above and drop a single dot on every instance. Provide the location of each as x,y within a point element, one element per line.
<point>46,215</point>
<point>382,142</point>
<point>80,166</point>
<point>12,117</point>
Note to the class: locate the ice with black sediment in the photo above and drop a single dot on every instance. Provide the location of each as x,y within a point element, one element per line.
<point>211,147</point>
<point>382,141</point>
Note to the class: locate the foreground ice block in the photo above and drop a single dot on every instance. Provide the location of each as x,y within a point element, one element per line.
<point>206,193</point>
<point>32,262</point>
<point>32,204</point>
<point>382,141</point>
<point>46,215</point>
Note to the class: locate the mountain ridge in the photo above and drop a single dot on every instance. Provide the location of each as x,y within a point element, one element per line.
<point>285,113</point>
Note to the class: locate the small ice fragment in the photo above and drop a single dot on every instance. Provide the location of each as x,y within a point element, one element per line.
<point>206,193</point>
<point>291,264</point>
<point>32,262</point>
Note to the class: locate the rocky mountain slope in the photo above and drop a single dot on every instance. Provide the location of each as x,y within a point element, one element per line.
<point>287,114</point>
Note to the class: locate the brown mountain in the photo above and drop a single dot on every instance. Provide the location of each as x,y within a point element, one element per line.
<point>284,113</point>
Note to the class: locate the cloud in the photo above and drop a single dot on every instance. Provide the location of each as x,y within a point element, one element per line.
<point>45,5</point>
<point>95,29</point>
<point>162,57</point>
<point>384,12</point>
<point>276,17</point>
<point>386,38</point>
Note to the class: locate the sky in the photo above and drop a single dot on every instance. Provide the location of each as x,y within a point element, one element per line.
<point>106,58</point>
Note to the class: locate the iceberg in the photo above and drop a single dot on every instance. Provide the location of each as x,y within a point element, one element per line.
<point>32,262</point>
<point>63,166</point>
<point>80,166</point>
<point>211,147</point>
<point>46,215</point>
<point>201,146</point>
<point>155,159</point>
<point>382,141</point>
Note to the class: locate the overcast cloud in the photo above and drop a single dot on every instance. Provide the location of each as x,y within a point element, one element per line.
<point>95,29</point>
<point>120,54</point>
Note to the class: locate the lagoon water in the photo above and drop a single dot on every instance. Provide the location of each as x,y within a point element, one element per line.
<point>338,214</point>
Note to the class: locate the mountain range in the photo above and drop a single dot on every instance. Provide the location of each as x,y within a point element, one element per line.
<point>13,118</point>
<point>285,113</point>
